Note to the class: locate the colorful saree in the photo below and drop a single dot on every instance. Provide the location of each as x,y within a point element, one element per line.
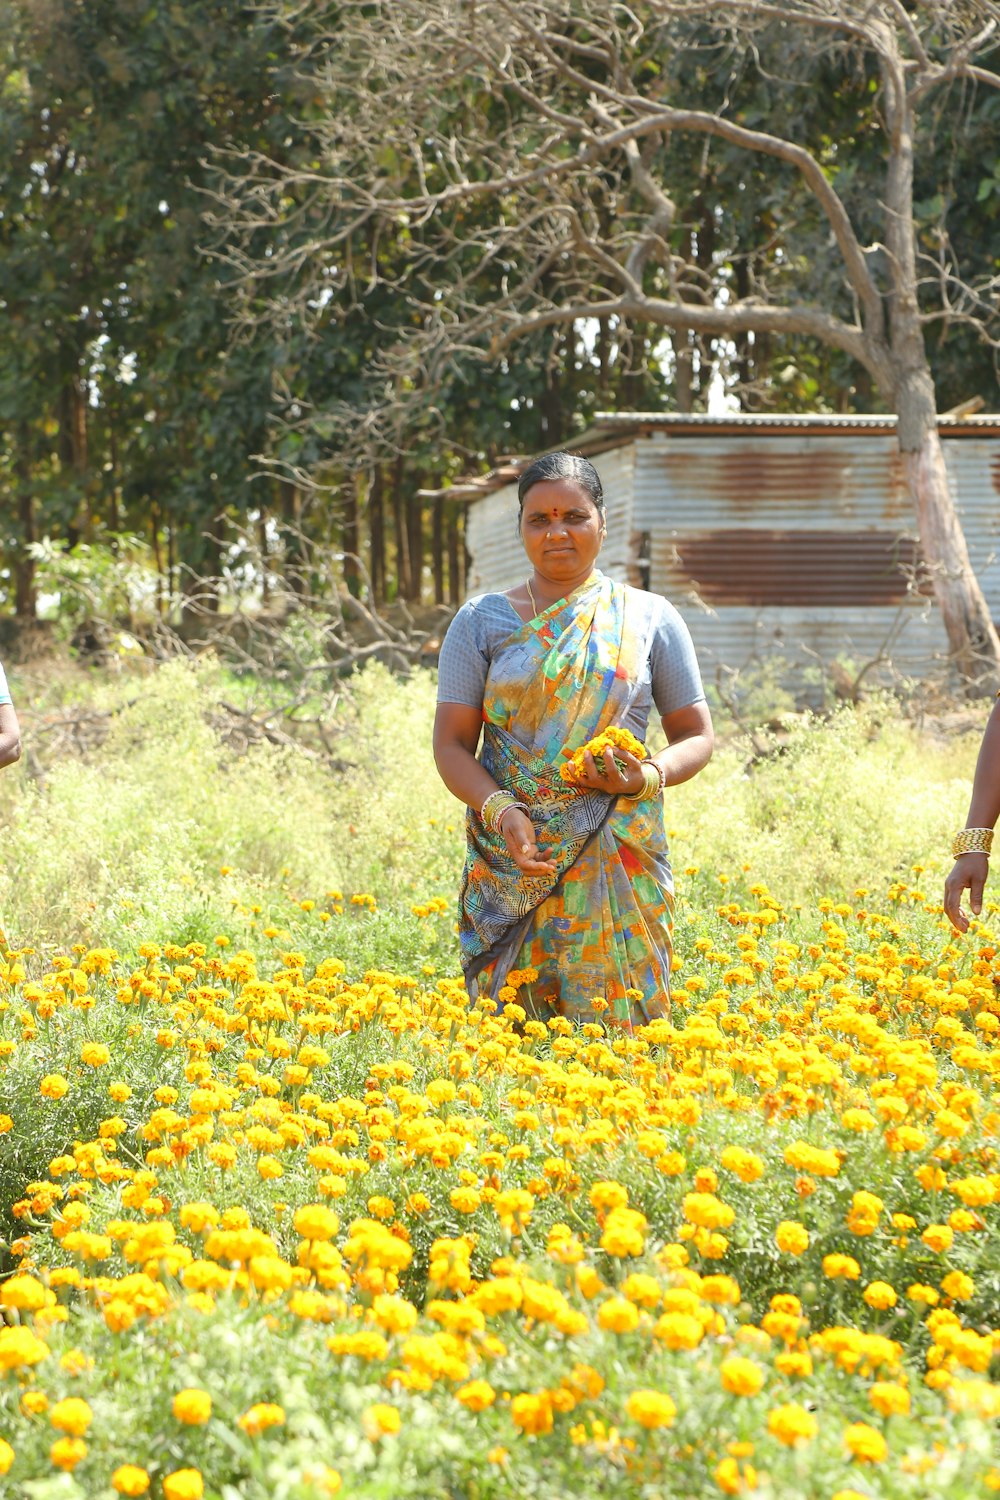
<point>600,926</point>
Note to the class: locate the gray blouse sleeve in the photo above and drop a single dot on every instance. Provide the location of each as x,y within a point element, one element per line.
<point>676,680</point>
<point>463,661</point>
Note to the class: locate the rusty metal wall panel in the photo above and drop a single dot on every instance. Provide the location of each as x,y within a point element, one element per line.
<point>498,560</point>
<point>815,569</point>
<point>794,481</point>
<point>702,498</point>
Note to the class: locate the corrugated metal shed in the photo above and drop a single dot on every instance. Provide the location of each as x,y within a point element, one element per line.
<point>790,535</point>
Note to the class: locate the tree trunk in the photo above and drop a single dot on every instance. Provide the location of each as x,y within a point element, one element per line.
<point>972,638</point>
<point>403,576</point>
<point>415,539</point>
<point>683,371</point>
<point>25,592</point>
<point>376,535</point>
<point>349,534</point>
<point>291,516</point>
<point>437,549</point>
<point>454,557</point>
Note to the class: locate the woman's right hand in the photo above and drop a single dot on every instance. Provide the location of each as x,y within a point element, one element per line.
<point>522,845</point>
<point>968,873</point>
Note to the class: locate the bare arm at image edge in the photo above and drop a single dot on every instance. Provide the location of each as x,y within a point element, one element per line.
<point>10,735</point>
<point>969,871</point>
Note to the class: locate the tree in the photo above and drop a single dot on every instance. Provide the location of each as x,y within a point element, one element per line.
<point>122,404</point>
<point>739,171</point>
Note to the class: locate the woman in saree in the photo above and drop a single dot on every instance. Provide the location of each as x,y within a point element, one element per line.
<point>569,882</point>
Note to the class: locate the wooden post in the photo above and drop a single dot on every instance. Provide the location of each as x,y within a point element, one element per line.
<point>349,536</point>
<point>437,548</point>
<point>404,587</point>
<point>376,534</point>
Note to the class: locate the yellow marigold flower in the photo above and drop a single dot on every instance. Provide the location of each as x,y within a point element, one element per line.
<point>476,1395</point>
<point>72,1416</point>
<point>604,1196</point>
<point>671,1164</point>
<point>651,1408</point>
<point>260,1417</point>
<point>532,1413</point>
<point>889,1399</point>
<point>19,1347</point>
<point>53,1086</point>
<point>938,1237</point>
<point>589,1282</point>
<point>465,1200</point>
<point>67,1452</point>
<point>393,1314</point>
<point>920,1293</point>
<point>958,1286</point>
<point>707,1211</point>
<point>618,1315</point>
<point>795,1364</point>
<point>314,1221</point>
<point>791,1237</point>
<point>843,1266</point>
<point>24,1292</point>
<point>192,1406</point>
<point>199,1217</point>
<point>679,1330</point>
<point>183,1484</point>
<point>120,1093</point>
<point>741,1377</point>
<point>33,1403</point>
<point>812,1159</point>
<point>724,1291</point>
<point>643,1290</point>
<point>379,1420</point>
<point>129,1479</point>
<point>624,1232</point>
<point>323,1478</point>
<point>502,1294</point>
<point>7,1456</point>
<point>95,1054</point>
<point>848,1495</point>
<point>880,1295</point>
<point>747,1166</point>
<point>573,770</point>
<point>791,1424</point>
<point>866,1444</point>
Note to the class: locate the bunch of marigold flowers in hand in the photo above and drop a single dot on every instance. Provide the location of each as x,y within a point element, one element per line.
<point>575,771</point>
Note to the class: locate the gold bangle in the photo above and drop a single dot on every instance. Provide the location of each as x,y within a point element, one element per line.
<point>650,784</point>
<point>972,841</point>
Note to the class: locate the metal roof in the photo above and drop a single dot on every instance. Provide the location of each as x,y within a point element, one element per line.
<point>635,421</point>
<point>612,429</point>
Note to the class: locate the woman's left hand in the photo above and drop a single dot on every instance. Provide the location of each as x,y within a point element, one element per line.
<point>603,775</point>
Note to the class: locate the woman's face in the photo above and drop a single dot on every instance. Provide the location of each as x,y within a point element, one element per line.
<point>562,530</point>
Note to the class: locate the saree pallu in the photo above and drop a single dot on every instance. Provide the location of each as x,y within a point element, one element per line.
<point>600,926</point>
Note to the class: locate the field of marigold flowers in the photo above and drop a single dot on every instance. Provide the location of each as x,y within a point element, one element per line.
<point>281,1228</point>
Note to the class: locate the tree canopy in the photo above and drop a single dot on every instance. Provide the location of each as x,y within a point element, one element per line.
<point>309,260</point>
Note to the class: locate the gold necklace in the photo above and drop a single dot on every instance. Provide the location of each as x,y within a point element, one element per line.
<point>531,598</point>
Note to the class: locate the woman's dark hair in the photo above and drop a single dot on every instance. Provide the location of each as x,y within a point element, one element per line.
<point>555,466</point>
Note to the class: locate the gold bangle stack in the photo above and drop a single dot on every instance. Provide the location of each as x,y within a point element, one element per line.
<point>651,785</point>
<point>972,841</point>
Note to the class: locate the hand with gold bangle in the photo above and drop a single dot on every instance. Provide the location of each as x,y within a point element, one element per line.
<point>971,845</point>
